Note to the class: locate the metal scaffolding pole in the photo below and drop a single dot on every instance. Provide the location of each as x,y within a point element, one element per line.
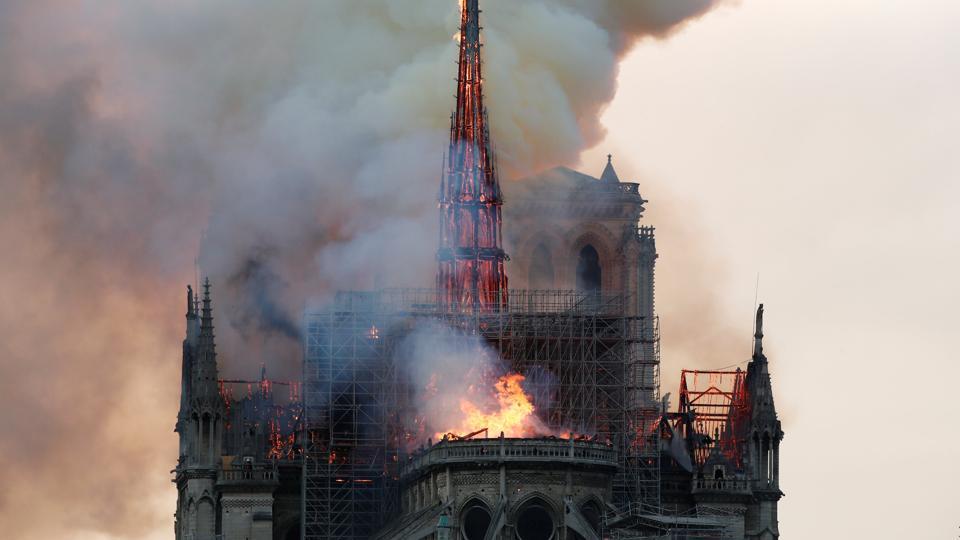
<point>591,369</point>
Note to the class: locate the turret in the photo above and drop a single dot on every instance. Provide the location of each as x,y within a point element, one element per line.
<point>763,441</point>
<point>206,389</point>
<point>186,370</point>
<point>200,420</point>
<point>200,424</point>
<point>609,175</point>
<point>763,412</point>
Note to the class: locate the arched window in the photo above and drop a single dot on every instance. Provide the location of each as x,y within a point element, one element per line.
<point>718,478</point>
<point>535,522</point>
<point>541,268</point>
<point>589,273</point>
<point>190,523</point>
<point>767,458</point>
<point>475,521</point>
<point>205,519</point>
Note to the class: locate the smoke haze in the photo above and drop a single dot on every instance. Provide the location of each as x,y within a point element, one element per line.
<point>294,145</point>
<point>453,373</point>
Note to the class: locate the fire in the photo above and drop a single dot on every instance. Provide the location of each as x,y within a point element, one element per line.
<point>514,415</point>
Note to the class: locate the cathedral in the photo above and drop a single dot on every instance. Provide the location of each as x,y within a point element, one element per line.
<point>342,453</point>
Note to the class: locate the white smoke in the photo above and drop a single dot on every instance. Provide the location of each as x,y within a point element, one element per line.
<point>452,373</point>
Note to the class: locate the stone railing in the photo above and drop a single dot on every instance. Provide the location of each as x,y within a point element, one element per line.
<point>628,188</point>
<point>518,301</point>
<point>511,450</point>
<point>238,475</point>
<point>726,485</point>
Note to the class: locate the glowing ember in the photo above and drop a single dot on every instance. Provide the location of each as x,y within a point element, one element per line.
<point>514,416</point>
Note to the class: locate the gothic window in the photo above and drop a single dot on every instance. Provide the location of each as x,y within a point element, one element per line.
<point>190,523</point>
<point>541,268</point>
<point>767,458</point>
<point>718,477</point>
<point>589,273</point>
<point>534,521</point>
<point>205,519</point>
<point>475,521</point>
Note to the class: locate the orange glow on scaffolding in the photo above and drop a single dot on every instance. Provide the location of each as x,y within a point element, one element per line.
<point>471,258</point>
<point>716,405</point>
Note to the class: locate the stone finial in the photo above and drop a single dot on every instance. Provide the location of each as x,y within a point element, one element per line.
<point>758,334</point>
<point>191,312</point>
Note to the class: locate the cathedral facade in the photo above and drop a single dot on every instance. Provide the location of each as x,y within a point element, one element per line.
<point>239,474</point>
<point>340,455</point>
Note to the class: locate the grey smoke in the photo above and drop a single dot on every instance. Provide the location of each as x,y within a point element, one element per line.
<point>302,135</point>
<point>443,366</point>
<point>260,287</point>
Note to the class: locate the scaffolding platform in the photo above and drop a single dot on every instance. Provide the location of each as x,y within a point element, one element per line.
<point>604,381</point>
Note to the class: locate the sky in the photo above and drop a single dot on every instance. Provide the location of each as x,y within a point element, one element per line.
<point>814,144</point>
<point>799,152</point>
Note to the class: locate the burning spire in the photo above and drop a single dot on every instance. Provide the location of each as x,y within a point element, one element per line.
<point>471,274</point>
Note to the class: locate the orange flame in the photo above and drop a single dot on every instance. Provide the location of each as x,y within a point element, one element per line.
<point>514,416</point>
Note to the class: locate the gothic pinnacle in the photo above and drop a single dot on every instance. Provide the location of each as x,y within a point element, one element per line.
<point>758,335</point>
<point>206,319</point>
<point>609,174</point>
<point>191,307</point>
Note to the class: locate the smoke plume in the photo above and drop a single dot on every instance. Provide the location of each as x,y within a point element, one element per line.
<point>289,148</point>
<point>460,385</point>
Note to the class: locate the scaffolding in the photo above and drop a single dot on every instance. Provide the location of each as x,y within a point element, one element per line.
<point>640,522</point>
<point>591,367</point>
<point>350,398</point>
<point>713,411</point>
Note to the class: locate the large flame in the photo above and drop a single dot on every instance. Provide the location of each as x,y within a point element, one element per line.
<point>513,415</point>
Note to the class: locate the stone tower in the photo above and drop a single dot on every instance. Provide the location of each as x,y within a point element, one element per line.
<point>569,230</point>
<point>200,425</point>
<point>763,444</point>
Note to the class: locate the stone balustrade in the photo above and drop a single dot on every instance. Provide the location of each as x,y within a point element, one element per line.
<point>512,450</point>
<point>234,475</point>
<point>726,485</point>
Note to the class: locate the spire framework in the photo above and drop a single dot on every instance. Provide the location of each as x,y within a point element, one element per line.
<point>470,257</point>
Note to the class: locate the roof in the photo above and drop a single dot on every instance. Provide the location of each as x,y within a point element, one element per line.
<point>559,177</point>
<point>609,174</point>
<point>718,403</point>
<point>566,181</point>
